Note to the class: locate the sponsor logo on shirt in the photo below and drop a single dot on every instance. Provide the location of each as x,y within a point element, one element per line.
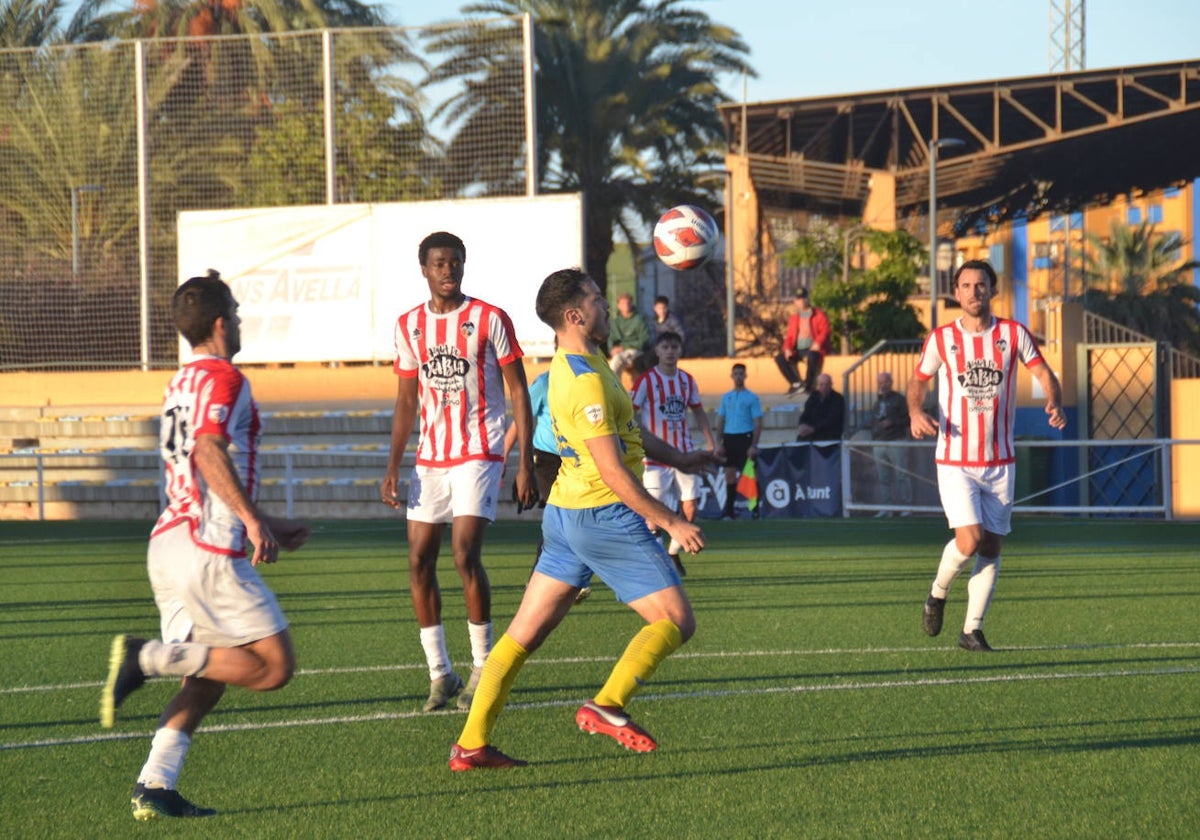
<point>446,370</point>
<point>981,381</point>
<point>673,407</point>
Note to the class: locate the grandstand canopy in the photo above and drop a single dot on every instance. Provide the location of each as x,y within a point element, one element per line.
<point>1031,144</point>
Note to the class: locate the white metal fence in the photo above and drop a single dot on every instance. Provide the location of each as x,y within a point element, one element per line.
<point>1124,478</point>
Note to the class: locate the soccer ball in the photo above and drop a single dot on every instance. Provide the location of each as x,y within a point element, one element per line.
<point>685,237</point>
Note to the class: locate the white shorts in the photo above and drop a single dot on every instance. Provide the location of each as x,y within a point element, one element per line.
<point>441,494</point>
<point>208,597</point>
<point>977,496</point>
<point>670,486</point>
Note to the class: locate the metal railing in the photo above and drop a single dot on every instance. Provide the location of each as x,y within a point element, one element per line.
<point>859,382</point>
<point>1100,330</point>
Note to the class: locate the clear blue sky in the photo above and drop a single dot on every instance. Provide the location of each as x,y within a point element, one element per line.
<point>808,48</point>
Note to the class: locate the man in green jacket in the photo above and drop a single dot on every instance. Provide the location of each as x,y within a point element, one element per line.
<point>629,336</point>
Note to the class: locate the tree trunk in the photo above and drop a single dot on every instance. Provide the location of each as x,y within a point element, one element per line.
<point>599,243</point>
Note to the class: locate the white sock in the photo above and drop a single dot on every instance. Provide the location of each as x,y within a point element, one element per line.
<point>952,563</point>
<point>979,591</point>
<point>167,752</point>
<point>437,655</point>
<point>178,659</point>
<point>481,642</point>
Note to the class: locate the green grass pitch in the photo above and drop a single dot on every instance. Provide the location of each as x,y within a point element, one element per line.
<point>809,704</point>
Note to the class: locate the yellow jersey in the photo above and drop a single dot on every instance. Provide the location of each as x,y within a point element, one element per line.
<point>587,401</point>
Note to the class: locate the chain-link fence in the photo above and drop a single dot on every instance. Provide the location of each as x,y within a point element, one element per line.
<point>103,145</point>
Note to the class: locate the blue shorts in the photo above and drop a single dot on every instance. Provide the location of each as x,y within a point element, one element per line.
<point>613,542</point>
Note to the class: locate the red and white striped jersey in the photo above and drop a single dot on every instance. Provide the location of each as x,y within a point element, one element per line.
<point>977,389</point>
<point>664,402</point>
<point>208,396</point>
<point>457,357</point>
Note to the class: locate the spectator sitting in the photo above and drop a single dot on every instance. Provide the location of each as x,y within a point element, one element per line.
<point>628,338</point>
<point>807,340</point>
<point>824,415</point>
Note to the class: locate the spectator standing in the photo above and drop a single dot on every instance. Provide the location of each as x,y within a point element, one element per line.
<point>739,426</point>
<point>629,337</point>
<point>805,340</point>
<point>667,321</point>
<point>663,396</point>
<point>975,359</point>
<point>824,415</point>
<point>891,424</point>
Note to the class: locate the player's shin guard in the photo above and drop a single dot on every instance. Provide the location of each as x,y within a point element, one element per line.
<point>653,643</point>
<point>979,591</point>
<point>499,673</point>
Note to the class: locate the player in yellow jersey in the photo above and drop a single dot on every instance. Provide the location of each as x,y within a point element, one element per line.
<point>595,522</point>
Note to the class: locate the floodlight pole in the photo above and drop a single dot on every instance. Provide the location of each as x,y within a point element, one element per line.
<point>934,145</point>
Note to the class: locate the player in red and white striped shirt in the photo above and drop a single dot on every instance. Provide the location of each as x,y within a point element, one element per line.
<point>454,357</point>
<point>975,359</point>
<point>220,623</point>
<point>663,395</point>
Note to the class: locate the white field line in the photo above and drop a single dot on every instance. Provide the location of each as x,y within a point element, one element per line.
<point>681,695</point>
<point>719,654</point>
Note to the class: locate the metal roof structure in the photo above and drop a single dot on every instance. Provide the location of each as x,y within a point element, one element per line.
<point>1031,145</point>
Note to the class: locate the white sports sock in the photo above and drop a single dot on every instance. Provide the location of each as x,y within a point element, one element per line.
<point>952,563</point>
<point>481,642</point>
<point>437,655</point>
<point>178,659</point>
<point>979,591</point>
<point>167,752</point>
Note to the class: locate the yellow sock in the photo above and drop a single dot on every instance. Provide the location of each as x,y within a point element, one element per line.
<point>653,643</point>
<point>497,678</point>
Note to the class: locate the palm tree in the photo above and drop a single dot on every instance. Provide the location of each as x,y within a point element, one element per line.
<point>28,23</point>
<point>38,23</point>
<point>1137,277</point>
<point>233,122</point>
<point>626,105</point>
<point>198,18</point>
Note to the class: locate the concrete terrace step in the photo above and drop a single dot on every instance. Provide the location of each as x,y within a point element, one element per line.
<point>314,498</point>
<point>102,462</point>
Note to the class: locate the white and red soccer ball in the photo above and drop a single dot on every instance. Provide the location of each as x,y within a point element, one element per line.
<point>686,237</point>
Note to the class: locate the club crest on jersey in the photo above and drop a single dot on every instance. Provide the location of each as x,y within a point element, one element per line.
<point>467,329</point>
<point>1002,344</point>
<point>445,370</point>
<point>218,413</point>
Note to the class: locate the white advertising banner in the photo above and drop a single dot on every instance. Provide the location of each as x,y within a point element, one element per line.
<point>327,283</point>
